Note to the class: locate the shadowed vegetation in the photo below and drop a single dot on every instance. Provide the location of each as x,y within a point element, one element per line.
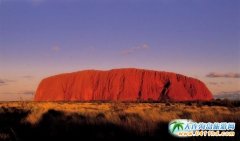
<point>27,121</point>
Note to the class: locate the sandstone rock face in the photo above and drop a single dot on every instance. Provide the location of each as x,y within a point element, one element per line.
<point>121,85</point>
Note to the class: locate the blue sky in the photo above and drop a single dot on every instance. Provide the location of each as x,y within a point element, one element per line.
<point>39,38</point>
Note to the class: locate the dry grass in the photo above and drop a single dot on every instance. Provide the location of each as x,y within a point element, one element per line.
<point>141,118</point>
<point>152,112</point>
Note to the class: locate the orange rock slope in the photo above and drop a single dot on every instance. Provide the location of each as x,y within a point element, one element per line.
<point>121,85</point>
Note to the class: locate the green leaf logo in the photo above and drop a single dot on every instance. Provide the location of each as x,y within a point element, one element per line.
<point>177,125</point>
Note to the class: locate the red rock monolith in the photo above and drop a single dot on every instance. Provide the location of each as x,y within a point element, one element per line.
<point>121,85</point>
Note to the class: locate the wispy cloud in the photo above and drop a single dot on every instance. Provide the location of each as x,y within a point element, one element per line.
<point>5,82</point>
<point>18,96</point>
<point>218,83</point>
<point>55,48</point>
<point>135,49</point>
<point>232,95</point>
<point>28,92</point>
<point>213,83</point>
<point>2,82</point>
<point>230,92</point>
<point>225,75</point>
<point>28,76</point>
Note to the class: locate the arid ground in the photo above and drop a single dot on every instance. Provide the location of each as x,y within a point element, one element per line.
<point>23,121</point>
